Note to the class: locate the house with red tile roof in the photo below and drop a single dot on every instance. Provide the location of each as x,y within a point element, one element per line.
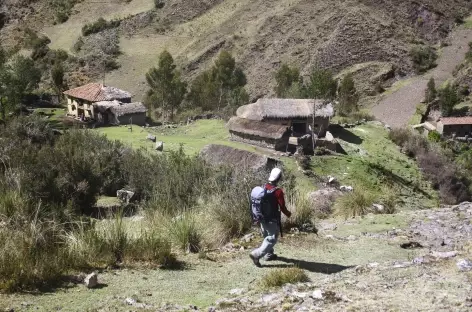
<point>457,126</point>
<point>80,100</point>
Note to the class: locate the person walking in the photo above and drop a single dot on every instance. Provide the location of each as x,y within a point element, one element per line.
<point>273,198</point>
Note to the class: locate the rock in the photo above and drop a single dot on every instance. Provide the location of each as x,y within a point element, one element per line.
<point>237,291</point>
<point>159,146</point>
<point>345,188</point>
<point>300,294</point>
<point>328,226</point>
<point>91,280</point>
<point>464,265</point>
<point>378,208</point>
<point>271,299</point>
<point>399,265</point>
<point>151,137</point>
<point>373,265</point>
<point>351,238</point>
<point>318,294</point>
<point>211,309</point>
<point>248,238</point>
<point>444,255</point>
<point>130,301</point>
<point>125,195</point>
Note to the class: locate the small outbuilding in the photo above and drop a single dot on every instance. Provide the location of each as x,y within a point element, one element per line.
<point>455,126</point>
<point>116,113</point>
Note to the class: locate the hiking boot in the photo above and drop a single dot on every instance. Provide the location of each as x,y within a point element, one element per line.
<point>255,260</point>
<point>270,257</point>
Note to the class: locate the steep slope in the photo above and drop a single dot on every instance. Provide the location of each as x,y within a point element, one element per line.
<point>260,33</point>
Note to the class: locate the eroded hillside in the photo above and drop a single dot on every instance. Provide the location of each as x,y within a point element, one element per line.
<point>261,34</point>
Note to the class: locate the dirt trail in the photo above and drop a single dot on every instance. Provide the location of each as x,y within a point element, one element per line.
<point>396,109</point>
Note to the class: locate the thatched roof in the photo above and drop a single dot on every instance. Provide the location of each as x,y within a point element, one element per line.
<point>96,92</point>
<point>128,108</point>
<point>257,128</point>
<point>220,155</point>
<point>285,109</point>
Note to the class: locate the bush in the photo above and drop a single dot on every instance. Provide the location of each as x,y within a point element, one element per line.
<point>400,135</point>
<point>434,136</point>
<point>280,277</point>
<point>99,25</point>
<point>389,200</point>
<point>354,204</point>
<point>423,58</point>
<point>159,4</point>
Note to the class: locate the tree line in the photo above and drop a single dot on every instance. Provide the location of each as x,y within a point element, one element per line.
<point>219,88</point>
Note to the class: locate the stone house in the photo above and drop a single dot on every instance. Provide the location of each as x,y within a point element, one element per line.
<point>455,126</point>
<point>275,123</point>
<point>116,113</point>
<point>80,100</point>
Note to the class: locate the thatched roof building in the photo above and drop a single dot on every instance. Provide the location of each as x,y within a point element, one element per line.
<point>265,109</point>
<point>128,109</point>
<point>271,122</point>
<point>221,155</point>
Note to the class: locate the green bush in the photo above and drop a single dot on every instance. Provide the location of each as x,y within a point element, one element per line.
<point>301,209</point>
<point>423,58</point>
<point>434,136</point>
<point>185,233</point>
<point>100,25</point>
<point>280,277</point>
<point>159,4</point>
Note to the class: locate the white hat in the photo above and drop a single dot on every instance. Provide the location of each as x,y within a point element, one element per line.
<point>275,174</point>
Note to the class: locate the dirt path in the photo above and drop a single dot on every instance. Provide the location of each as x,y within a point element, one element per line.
<point>396,109</point>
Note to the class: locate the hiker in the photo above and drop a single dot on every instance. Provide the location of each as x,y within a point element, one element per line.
<point>272,197</point>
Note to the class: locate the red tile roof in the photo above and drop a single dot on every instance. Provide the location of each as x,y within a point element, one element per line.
<point>456,120</point>
<point>96,92</point>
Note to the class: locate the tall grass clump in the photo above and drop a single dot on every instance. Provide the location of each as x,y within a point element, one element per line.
<point>280,277</point>
<point>354,204</point>
<point>30,256</point>
<point>185,232</point>
<point>301,209</point>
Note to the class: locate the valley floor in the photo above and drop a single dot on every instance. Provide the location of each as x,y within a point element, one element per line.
<point>358,265</point>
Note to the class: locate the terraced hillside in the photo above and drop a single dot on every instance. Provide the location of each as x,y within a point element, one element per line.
<point>260,33</point>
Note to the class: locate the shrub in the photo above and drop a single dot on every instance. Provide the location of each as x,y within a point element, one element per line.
<point>400,135</point>
<point>159,4</point>
<point>434,136</point>
<point>356,203</point>
<point>423,58</point>
<point>389,200</point>
<point>99,25</point>
<point>280,277</point>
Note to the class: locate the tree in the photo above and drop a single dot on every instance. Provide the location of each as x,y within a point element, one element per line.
<point>221,86</point>
<point>430,93</point>
<point>348,97</point>
<point>288,80</point>
<point>321,85</point>
<point>448,98</point>
<point>19,78</point>
<point>167,90</point>
<point>57,76</point>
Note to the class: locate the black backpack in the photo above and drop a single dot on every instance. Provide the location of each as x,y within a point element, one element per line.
<point>264,206</point>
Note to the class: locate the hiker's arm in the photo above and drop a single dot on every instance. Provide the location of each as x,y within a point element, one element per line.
<point>281,201</point>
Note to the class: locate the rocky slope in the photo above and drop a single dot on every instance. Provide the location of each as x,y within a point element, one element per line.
<point>261,34</point>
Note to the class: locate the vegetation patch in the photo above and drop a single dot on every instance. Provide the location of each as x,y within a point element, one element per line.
<point>100,25</point>
<point>280,277</point>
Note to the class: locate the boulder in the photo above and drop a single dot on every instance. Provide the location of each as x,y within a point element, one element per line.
<point>125,196</point>
<point>151,137</point>
<point>444,255</point>
<point>378,208</point>
<point>91,280</point>
<point>159,146</point>
<point>346,188</point>
<point>464,265</point>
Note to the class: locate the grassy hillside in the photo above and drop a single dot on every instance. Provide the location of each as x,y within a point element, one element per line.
<point>371,162</point>
<point>261,34</point>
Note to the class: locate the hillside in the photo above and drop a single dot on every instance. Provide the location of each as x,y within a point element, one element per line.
<point>261,34</point>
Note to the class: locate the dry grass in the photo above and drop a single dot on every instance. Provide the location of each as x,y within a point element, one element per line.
<point>279,277</point>
<point>354,204</point>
